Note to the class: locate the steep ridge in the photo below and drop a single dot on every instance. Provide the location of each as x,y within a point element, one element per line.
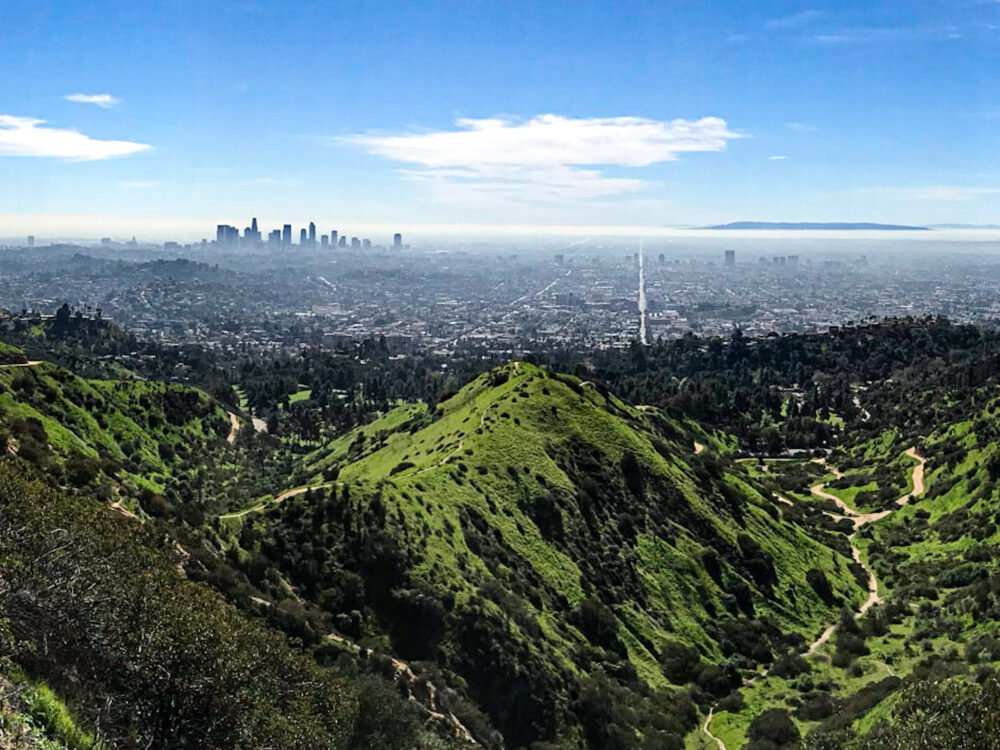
<point>535,532</point>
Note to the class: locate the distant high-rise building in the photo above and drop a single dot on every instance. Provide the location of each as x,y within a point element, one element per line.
<point>274,237</point>
<point>286,234</point>
<point>366,243</point>
<point>324,241</point>
<point>663,258</point>
<point>793,260</point>
<point>355,243</point>
<point>334,239</point>
<point>397,241</point>
<point>560,258</point>
<point>730,258</point>
<point>312,233</point>
<point>303,236</point>
<point>251,235</point>
<point>342,242</point>
<point>226,235</point>
<point>31,240</point>
<point>105,242</point>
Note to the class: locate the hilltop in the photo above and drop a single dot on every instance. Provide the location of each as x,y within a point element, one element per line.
<point>557,550</point>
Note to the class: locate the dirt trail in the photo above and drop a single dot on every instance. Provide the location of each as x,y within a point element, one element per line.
<point>29,363</point>
<point>403,675</point>
<point>278,499</point>
<point>860,520</point>
<point>705,728</point>
<point>837,473</point>
<point>117,507</point>
<point>461,442</point>
<point>234,427</point>
<point>698,448</point>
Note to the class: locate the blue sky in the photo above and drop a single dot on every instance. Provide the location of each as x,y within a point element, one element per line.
<point>165,118</point>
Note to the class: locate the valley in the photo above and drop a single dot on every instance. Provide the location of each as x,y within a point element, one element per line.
<point>632,571</point>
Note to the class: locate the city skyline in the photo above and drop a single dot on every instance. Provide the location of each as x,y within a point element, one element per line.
<point>228,235</point>
<point>420,118</point>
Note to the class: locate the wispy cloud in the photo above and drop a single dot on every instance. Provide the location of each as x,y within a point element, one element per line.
<point>26,136</point>
<point>549,157</point>
<point>777,157</point>
<point>895,34</point>
<point>800,127</point>
<point>105,101</point>
<point>940,193</point>
<point>793,20</point>
<point>266,181</point>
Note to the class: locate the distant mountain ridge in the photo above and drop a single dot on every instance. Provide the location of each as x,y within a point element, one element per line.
<point>805,225</point>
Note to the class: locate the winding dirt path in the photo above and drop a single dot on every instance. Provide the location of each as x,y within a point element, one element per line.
<point>860,520</point>
<point>698,448</point>
<point>29,363</point>
<point>461,442</point>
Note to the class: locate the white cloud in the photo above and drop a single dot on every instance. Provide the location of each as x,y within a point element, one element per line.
<point>549,157</point>
<point>793,21</point>
<point>26,136</point>
<point>939,193</point>
<point>105,101</point>
<point>777,157</point>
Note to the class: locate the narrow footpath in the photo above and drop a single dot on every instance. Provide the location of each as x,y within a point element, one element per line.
<point>860,520</point>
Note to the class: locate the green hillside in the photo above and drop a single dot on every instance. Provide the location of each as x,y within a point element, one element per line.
<point>533,560</point>
<point>567,556</point>
<point>113,437</point>
<point>102,636</point>
<point>927,652</point>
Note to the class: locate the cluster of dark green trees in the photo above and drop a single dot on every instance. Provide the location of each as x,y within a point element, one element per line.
<point>778,392</point>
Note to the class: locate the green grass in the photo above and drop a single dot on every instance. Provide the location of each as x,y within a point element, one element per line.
<point>900,650</point>
<point>43,716</point>
<point>301,395</point>
<point>506,441</point>
<point>140,432</point>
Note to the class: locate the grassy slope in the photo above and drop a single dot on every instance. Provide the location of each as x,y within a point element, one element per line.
<point>957,481</point>
<point>889,653</point>
<point>32,717</point>
<point>141,431</point>
<point>496,446</point>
